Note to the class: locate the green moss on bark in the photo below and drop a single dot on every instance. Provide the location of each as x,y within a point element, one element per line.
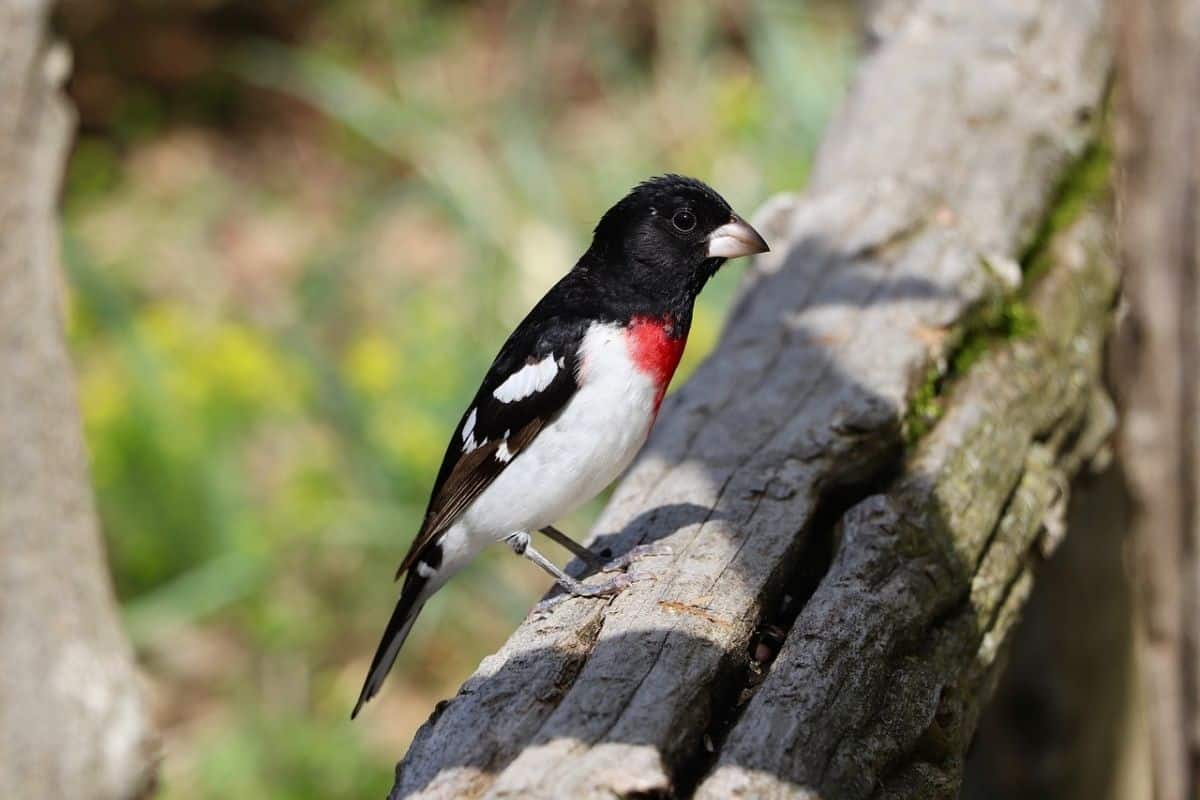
<point>1002,319</point>
<point>1085,183</point>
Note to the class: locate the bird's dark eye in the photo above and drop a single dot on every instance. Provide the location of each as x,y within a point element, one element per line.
<point>684,220</point>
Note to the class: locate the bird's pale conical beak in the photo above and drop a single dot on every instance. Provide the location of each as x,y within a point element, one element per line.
<point>734,239</point>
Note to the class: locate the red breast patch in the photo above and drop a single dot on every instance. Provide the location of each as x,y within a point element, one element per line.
<point>655,352</point>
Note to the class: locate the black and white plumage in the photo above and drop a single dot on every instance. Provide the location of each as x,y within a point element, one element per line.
<point>571,396</point>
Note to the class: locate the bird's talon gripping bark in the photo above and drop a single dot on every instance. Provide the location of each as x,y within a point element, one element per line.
<point>637,554</point>
<point>546,606</point>
<point>609,588</point>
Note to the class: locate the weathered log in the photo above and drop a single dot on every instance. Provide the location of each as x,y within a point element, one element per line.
<point>1066,721</point>
<point>72,719</point>
<point>878,688</point>
<point>902,259</point>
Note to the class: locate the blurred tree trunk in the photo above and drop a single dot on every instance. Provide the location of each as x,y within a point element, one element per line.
<point>1157,369</point>
<point>72,720</point>
<point>858,484</point>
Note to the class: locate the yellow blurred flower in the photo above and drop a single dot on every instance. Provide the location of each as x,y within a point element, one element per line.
<point>243,362</point>
<point>411,437</point>
<point>370,364</point>
<point>740,103</point>
<point>103,393</point>
<point>228,362</point>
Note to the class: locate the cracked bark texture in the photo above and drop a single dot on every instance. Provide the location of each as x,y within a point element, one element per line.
<point>781,477</point>
<point>1157,370</point>
<point>72,720</point>
<point>1066,721</point>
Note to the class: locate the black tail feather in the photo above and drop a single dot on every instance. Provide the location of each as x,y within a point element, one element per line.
<point>405,614</point>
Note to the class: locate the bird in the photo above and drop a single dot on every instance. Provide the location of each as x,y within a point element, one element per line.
<point>571,397</point>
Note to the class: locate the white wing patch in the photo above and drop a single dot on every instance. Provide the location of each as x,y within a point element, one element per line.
<point>468,433</point>
<point>529,379</point>
<point>503,454</point>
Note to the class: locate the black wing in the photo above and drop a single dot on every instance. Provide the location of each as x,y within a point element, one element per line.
<point>543,351</point>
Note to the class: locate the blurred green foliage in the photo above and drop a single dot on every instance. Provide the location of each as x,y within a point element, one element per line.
<point>277,322</point>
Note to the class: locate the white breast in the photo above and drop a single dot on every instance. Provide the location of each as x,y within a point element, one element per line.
<point>583,450</point>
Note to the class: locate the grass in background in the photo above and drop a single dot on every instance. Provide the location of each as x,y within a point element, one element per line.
<point>277,324</point>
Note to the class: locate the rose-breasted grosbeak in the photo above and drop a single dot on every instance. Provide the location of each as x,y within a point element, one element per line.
<point>571,397</point>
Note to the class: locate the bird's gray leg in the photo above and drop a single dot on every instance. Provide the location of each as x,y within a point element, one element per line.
<point>594,562</point>
<point>519,542</point>
<point>636,554</point>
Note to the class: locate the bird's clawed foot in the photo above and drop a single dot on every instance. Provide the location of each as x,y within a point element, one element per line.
<point>572,588</point>
<point>624,561</point>
<point>599,561</point>
<point>609,588</point>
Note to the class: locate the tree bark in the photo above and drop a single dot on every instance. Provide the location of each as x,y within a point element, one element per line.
<point>866,468</point>
<point>72,719</point>
<point>1067,721</point>
<point>1157,365</point>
